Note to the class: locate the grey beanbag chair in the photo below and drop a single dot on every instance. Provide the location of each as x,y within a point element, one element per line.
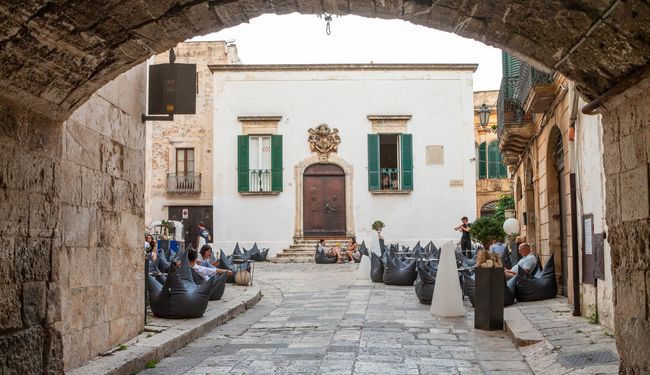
<point>179,297</point>
<point>363,249</point>
<point>425,282</point>
<point>322,258</point>
<point>376,268</point>
<point>537,287</point>
<point>398,272</point>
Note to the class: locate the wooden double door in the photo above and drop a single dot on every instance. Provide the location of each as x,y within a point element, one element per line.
<point>324,201</point>
<point>193,215</point>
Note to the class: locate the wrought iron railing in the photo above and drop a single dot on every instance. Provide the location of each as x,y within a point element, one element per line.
<point>390,179</point>
<point>259,180</point>
<point>528,78</point>
<point>509,109</point>
<point>183,183</point>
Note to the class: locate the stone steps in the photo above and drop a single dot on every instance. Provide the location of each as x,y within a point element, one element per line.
<point>302,250</point>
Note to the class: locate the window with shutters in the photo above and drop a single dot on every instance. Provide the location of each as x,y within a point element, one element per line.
<point>259,163</point>
<point>490,161</point>
<point>184,179</point>
<point>390,162</point>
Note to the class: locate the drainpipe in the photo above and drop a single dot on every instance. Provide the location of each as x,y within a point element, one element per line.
<point>575,254</point>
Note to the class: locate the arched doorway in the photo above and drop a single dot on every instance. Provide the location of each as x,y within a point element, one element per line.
<point>324,201</point>
<point>556,196</point>
<point>489,208</point>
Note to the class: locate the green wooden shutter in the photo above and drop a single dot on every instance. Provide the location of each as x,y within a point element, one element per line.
<point>242,163</point>
<point>482,160</point>
<point>493,160</point>
<point>510,66</point>
<point>503,170</point>
<point>373,162</point>
<point>406,142</point>
<point>276,163</point>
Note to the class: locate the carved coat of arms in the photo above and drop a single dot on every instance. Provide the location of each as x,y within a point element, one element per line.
<point>323,140</point>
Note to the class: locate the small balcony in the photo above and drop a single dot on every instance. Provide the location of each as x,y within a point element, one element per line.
<point>535,89</point>
<point>186,183</point>
<point>515,127</point>
<point>259,180</point>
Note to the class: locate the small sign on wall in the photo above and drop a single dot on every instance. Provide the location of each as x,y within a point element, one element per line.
<point>185,213</point>
<point>455,183</point>
<point>435,155</point>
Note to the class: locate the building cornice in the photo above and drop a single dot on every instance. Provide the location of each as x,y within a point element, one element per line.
<point>340,67</point>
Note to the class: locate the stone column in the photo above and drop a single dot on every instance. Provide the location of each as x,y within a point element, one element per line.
<point>30,313</point>
<point>71,229</point>
<point>626,138</point>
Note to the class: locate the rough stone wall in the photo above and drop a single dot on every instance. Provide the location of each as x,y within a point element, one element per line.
<point>626,138</point>
<point>186,131</point>
<point>100,265</point>
<point>30,229</point>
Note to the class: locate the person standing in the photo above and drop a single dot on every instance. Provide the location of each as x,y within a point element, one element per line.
<point>204,236</point>
<point>465,239</point>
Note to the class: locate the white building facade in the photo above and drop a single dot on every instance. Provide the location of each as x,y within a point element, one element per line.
<point>400,141</point>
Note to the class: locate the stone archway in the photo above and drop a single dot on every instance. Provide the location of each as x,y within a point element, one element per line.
<point>299,172</point>
<point>57,54</point>
<point>530,198</point>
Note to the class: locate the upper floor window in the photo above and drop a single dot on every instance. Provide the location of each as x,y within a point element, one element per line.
<point>184,161</point>
<point>259,163</point>
<point>490,161</point>
<point>390,162</point>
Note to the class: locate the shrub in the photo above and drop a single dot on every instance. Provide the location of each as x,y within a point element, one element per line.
<point>487,230</point>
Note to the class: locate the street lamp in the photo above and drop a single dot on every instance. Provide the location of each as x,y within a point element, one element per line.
<point>483,115</point>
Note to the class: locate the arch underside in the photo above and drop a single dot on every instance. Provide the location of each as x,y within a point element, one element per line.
<point>55,55</point>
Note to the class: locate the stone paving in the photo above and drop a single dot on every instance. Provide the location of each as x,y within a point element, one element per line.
<point>566,335</point>
<point>318,319</point>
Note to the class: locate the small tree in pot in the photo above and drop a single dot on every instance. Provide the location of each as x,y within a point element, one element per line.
<point>377,226</point>
<point>487,230</point>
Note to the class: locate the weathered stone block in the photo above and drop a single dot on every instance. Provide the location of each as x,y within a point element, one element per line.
<point>612,200</point>
<point>99,338</point>
<point>80,225</point>
<point>14,220</point>
<point>10,307</point>
<point>34,302</point>
<point>82,145</point>
<point>33,259</point>
<point>76,348</point>
<point>43,216</point>
<point>53,312</point>
<point>22,352</point>
<point>612,159</point>
<point>124,328</point>
<point>94,306</point>
<point>7,260</point>
<point>71,183</point>
<point>112,157</point>
<point>634,189</point>
<point>633,151</point>
<point>53,358</point>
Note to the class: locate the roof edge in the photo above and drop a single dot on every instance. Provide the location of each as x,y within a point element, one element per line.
<point>339,67</point>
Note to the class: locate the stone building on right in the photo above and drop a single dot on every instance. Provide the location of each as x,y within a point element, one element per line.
<point>555,155</point>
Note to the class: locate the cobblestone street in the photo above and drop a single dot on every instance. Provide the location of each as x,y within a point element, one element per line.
<point>320,319</point>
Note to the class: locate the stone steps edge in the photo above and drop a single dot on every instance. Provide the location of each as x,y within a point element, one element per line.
<point>134,359</point>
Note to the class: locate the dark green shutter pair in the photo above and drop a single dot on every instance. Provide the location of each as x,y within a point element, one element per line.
<point>243,166</point>
<point>490,163</point>
<point>406,169</point>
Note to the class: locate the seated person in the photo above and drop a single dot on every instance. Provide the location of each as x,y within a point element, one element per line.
<point>206,256</point>
<point>330,252</point>
<point>527,262</point>
<point>353,250</point>
<point>205,272</point>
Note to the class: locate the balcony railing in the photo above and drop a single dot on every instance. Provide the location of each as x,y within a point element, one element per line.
<point>184,183</point>
<point>530,80</point>
<point>259,180</point>
<point>389,179</point>
<point>509,109</point>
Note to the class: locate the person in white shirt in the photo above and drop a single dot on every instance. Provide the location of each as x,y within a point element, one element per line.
<point>205,272</point>
<point>527,262</point>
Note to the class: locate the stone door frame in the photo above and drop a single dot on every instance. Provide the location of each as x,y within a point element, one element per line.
<point>299,171</point>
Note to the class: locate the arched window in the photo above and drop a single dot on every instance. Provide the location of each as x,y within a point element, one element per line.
<point>496,167</point>
<point>482,161</point>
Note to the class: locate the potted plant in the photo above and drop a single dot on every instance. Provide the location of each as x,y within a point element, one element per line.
<point>490,278</point>
<point>377,226</point>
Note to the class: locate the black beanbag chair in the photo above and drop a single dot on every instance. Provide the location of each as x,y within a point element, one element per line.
<point>225,263</point>
<point>321,257</point>
<point>179,297</point>
<point>258,255</point>
<point>398,272</point>
<point>363,249</point>
<point>219,288</point>
<point>376,268</point>
<point>537,287</point>
<point>425,282</point>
